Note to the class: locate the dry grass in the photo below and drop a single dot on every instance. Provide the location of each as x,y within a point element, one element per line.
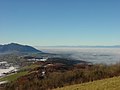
<point>106,84</point>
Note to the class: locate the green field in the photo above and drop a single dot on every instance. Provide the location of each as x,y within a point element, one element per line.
<point>23,71</point>
<point>13,77</point>
<point>106,84</point>
<point>32,66</point>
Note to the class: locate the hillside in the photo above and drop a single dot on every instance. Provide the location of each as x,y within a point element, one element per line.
<point>61,75</point>
<point>106,84</point>
<point>14,47</point>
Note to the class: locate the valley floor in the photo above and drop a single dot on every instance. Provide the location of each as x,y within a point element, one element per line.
<point>106,84</point>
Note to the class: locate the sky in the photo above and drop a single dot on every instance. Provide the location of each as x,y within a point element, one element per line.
<point>60,22</point>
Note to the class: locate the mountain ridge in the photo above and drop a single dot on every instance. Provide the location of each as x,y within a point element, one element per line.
<point>15,47</point>
<point>85,46</point>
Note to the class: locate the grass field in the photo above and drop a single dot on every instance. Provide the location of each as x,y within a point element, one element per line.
<point>32,66</point>
<point>106,84</point>
<point>23,71</point>
<point>13,77</point>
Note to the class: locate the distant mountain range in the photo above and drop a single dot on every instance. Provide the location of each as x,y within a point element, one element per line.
<point>114,46</point>
<point>17,48</point>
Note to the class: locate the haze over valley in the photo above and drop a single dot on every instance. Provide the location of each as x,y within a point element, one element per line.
<point>106,55</point>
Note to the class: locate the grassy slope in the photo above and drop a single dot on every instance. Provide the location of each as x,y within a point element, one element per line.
<point>106,84</point>
<point>30,67</point>
<point>13,77</point>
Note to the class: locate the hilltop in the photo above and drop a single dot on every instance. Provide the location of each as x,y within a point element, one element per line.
<point>17,48</point>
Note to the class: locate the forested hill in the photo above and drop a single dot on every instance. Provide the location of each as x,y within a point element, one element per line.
<point>14,47</point>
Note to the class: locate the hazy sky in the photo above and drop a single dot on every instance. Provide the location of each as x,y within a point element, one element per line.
<point>60,22</point>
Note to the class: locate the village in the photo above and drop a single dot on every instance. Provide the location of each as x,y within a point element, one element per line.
<point>7,68</point>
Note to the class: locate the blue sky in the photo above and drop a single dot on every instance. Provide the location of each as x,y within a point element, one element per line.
<point>60,22</point>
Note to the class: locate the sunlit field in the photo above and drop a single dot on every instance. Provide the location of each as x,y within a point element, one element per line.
<point>106,84</point>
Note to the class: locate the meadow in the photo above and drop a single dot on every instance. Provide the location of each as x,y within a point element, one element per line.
<point>105,84</point>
